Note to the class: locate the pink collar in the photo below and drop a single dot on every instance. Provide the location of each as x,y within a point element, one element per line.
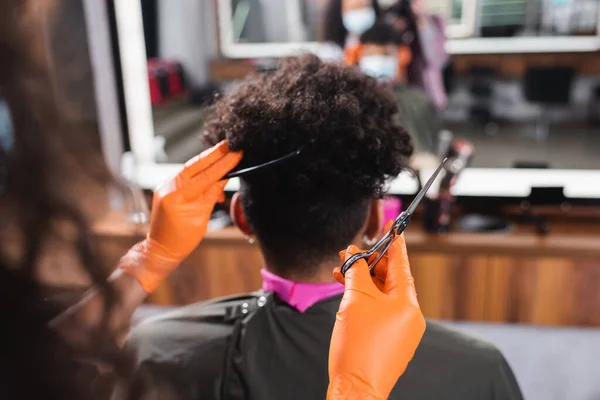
<point>299,295</point>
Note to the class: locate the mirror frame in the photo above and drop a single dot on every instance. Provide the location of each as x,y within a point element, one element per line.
<point>473,182</point>
<point>466,27</point>
<point>105,87</point>
<point>231,49</point>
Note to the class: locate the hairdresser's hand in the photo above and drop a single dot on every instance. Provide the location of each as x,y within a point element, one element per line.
<point>378,327</point>
<point>181,210</point>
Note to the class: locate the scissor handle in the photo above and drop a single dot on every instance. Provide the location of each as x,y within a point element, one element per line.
<point>381,247</point>
<point>349,262</point>
<point>382,252</point>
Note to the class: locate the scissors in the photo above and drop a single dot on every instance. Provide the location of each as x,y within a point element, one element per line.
<point>400,224</point>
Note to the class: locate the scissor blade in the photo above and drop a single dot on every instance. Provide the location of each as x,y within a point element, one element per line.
<point>411,208</point>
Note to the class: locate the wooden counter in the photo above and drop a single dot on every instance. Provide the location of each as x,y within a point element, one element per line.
<point>509,66</point>
<point>514,277</point>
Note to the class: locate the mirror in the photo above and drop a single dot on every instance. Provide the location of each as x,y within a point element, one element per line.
<point>279,28</point>
<point>187,36</point>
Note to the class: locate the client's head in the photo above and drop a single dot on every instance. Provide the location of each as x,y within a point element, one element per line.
<point>304,211</point>
<point>379,55</point>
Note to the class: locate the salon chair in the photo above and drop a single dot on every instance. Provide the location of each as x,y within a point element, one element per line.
<point>448,75</point>
<point>481,88</point>
<point>548,87</point>
<point>594,106</point>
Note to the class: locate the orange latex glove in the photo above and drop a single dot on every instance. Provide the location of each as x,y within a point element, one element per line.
<point>378,327</point>
<point>352,54</point>
<point>181,209</point>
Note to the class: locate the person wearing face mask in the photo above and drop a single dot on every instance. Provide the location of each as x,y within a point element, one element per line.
<point>425,34</point>
<point>381,57</point>
<point>343,23</point>
<point>357,16</point>
<point>378,55</point>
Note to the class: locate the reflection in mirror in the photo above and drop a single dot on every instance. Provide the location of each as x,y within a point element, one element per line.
<point>500,18</point>
<point>181,87</point>
<point>503,108</point>
<point>179,83</point>
<point>274,28</point>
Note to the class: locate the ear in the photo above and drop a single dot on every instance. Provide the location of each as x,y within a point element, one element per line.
<point>375,219</point>
<point>237,215</point>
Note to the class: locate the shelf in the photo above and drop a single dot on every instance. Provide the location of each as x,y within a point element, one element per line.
<point>516,45</point>
<point>512,45</point>
<point>473,182</point>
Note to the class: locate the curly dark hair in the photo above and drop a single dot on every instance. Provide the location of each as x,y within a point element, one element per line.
<point>332,28</point>
<point>309,208</point>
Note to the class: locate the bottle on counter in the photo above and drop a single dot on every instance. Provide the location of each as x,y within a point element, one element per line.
<point>438,205</point>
